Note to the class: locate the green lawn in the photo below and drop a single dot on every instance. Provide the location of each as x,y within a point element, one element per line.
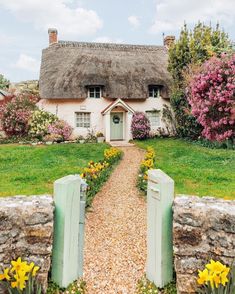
<point>196,170</point>
<point>33,169</point>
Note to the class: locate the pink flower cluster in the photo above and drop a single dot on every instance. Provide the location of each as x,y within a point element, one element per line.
<point>15,114</point>
<point>61,128</point>
<point>211,94</point>
<point>140,126</point>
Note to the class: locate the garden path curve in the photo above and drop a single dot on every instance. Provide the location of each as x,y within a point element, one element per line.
<point>115,238</point>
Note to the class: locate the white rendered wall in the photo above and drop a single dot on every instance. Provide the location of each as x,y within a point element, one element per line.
<point>66,108</point>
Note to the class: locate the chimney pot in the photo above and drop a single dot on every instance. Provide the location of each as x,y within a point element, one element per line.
<point>168,41</point>
<point>52,36</point>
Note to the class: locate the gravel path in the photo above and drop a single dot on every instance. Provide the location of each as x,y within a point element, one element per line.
<point>115,241</point>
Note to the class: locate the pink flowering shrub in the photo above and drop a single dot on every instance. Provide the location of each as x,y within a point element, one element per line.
<point>140,126</point>
<point>15,114</point>
<point>211,94</point>
<point>61,128</point>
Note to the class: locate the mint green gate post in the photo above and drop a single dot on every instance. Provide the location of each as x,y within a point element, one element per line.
<point>160,197</point>
<point>65,254</point>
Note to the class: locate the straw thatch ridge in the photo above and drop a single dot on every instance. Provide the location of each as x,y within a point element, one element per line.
<point>124,71</point>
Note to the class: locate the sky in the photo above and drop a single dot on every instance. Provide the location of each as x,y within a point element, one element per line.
<point>24,25</point>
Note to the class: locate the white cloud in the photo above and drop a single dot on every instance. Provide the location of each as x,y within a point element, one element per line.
<point>134,21</point>
<point>71,21</point>
<point>28,63</point>
<point>171,14</point>
<point>105,39</point>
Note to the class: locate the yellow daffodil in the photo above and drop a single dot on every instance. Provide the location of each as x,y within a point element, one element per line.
<point>35,270</point>
<point>203,277</point>
<point>215,267</point>
<point>5,275</point>
<point>223,276</point>
<point>20,280</point>
<point>216,279</point>
<point>18,265</point>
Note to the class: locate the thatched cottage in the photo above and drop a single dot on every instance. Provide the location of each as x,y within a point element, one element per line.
<point>99,86</point>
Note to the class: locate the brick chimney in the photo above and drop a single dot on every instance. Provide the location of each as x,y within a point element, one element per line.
<point>52,36</point>
<point>168,41</point>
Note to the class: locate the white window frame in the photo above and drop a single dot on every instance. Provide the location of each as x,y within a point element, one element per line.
<point>155,121</point>
<point>155,89</point>
<point>95,90</point>
<point>82,119</point>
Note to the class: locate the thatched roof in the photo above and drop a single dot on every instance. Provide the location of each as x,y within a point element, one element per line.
<point>124,71</point>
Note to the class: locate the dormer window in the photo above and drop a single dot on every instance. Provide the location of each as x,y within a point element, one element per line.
<point>94,92</point>
<point>154,91</point>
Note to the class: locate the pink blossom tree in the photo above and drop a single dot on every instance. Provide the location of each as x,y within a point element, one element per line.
<point>211,94</point>
<point>15,113</point>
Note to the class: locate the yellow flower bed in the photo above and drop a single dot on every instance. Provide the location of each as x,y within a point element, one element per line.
<point>146,164</point>
<point>94,169</point>
<point>149,159</point>
<point>111,153</point>
<point>96,173</point>
<point>20,276</point>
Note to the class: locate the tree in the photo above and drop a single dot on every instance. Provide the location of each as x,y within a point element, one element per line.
<point>4,83</point>
<point>193,47</point>
<point>211,94</point>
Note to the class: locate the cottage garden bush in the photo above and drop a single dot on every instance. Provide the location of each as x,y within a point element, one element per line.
<point>192,48</point>
<point>211,94</point>
<point>21,118</point>
<point>140,126</point>
<point>60,128</point>
<point>16,113</point>
<point>39,122</point>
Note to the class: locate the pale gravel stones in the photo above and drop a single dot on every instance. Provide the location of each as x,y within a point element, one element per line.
<point>115,231</point>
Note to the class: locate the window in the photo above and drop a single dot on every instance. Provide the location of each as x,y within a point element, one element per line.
<point>94,92</point>
<point>83,119</point>
<point>154,118</point>
<point>154,91</point>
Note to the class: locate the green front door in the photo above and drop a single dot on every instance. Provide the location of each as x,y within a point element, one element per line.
<point>116,126</point>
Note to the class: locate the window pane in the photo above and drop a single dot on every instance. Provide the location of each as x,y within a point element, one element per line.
<point>154,118</point>
<point>94,92</point>
<point>83,119</point>
<point>154,91</point>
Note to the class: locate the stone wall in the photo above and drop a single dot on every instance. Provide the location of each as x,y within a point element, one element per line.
<point>203,228</point>
<point>27,231</point>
